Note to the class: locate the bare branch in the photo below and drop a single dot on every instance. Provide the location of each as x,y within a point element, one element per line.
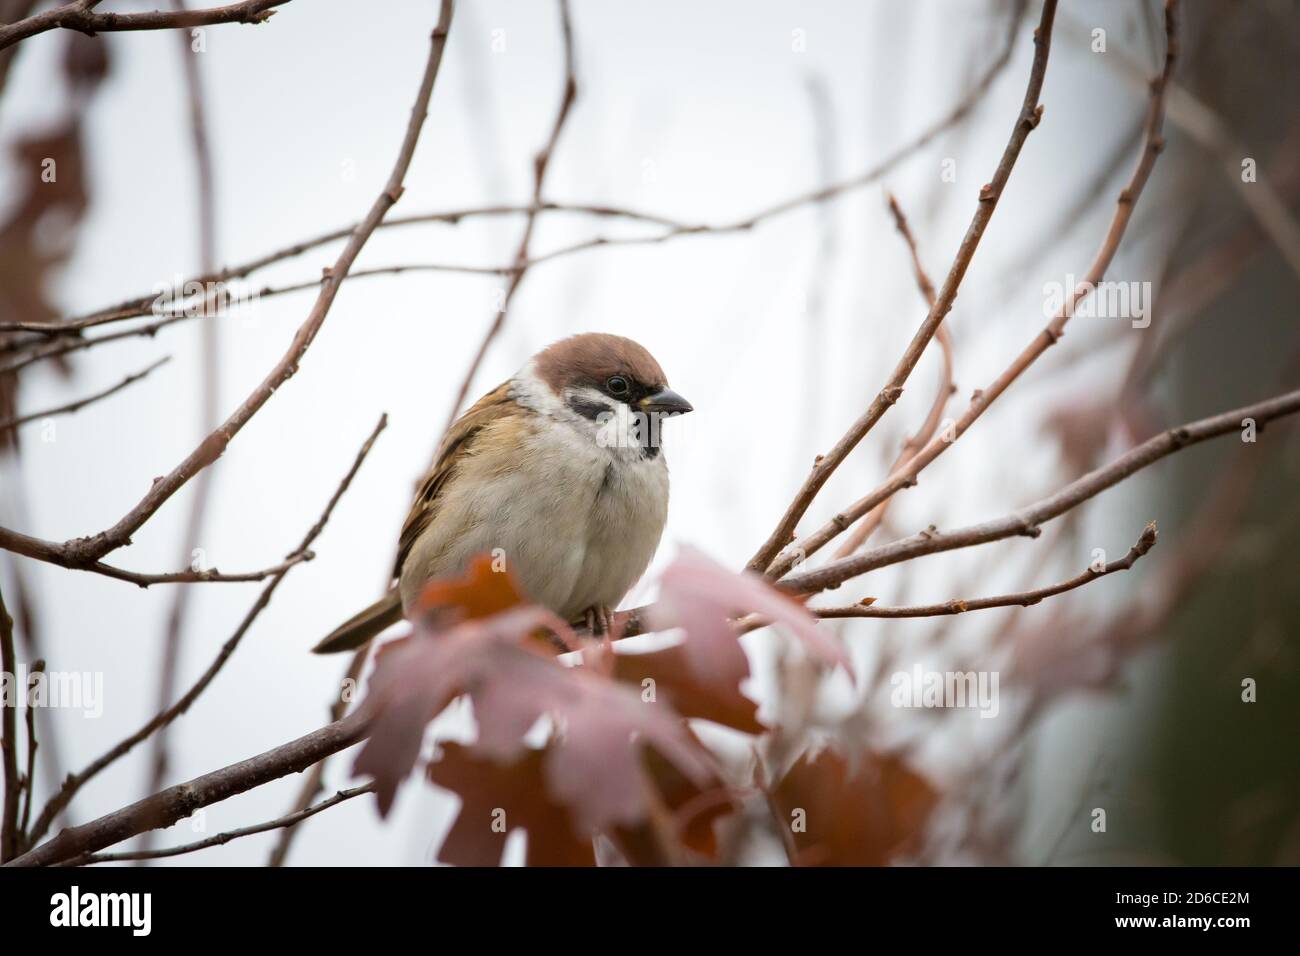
<point>198,576</point>
<point>80,552</point>
<point>188,309</point>
<point>1201,279</point>
<point>1208,128</point>
<point>825,193</point>
<point>287,822</point>
<point>313,783</point>
<point>166,807</point>
<point>143,305</point>
<point>540,164</point>
<point>9,835</point>
<point>34,351</point>
<point>209,407</point>
<point>1048,337</point>
<point>146,305</point>
<point>29,778</point>
<point>145,579</point>
<point>74,782</point>
<point>1030,114</point>
<point>1023,599</point>
<point>1027,520</point>
<point>20,420</point>
<point>913,445</point>
<point>175,803</point>
<point>78,16</point>
<point>28,632</point>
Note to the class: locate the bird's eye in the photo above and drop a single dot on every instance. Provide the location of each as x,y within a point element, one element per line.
<point>616,385</point>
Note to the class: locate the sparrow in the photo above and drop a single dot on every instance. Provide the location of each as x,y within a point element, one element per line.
<point>559,472</point>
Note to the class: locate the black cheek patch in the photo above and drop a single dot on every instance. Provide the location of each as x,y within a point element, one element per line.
<point>588,409</point>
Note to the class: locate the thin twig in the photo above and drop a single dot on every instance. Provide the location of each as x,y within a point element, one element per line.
<point>1048,337</point>
<point>74,782</point>
<point>78,16</point>
<point>197,575</point>
<point>540,165</point>
<point>9,742</point>
<point>822,194</point>
<point>36,350</point>
<point>29,781</point>
<point>1203,278</point>
<point>913,445</point>
<point>19,421</point>
<point>52,348</point>
<point>27,625</point>
<point>313,783</point>
<point>1211,131</point>
<point>14,10</point>
<point>164,808</point>
<point>143,305</point>
<point>813,320</point>
<point>168,806</point>
<point>209,410</point>
<point>1026,521</point>
<point>80,552</point>
<point>148,304</point>
<point>1030,114</point>
<point>1022,599</point>
<point>220,839</point>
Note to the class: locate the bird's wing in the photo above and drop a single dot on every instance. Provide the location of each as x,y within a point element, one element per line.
<point>457,443</point>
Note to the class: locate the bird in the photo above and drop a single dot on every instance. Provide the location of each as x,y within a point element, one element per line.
<point>558,472</point>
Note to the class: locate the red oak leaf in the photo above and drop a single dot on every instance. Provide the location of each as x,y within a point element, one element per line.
<point>837,812</point>
<point>701,597</point>
<point>481,592</point>
<point>499,797</point>
<point>594,767</point>
<point>666,674</point>
<point>597,770</point>
<point>688,814</point>
<point>415,678</point>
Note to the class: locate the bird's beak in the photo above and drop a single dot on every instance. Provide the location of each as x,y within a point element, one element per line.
<point>666,401</point>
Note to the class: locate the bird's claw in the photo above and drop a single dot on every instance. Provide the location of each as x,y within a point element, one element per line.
<point>599,619</point>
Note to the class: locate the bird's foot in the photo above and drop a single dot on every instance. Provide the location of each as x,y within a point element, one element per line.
<point>599,619</point>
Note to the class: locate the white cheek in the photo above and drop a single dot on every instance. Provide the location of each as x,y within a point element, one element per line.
<point>618,429</point>
<point>528,390</point>
<point>620,432</point>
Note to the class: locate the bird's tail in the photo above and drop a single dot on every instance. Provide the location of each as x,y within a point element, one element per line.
<point>360,628</point>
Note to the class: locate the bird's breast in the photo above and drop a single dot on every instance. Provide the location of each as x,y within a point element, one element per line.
<point>577,524</point>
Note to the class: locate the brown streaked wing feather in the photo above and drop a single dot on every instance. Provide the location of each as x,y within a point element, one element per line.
<point>492,406</point>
